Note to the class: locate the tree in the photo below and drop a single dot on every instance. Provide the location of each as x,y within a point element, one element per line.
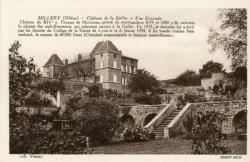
<point>21,75</point>
<point>209,68</point>
<point>35,99</point>
<point>152,99</point>
<point>188,78</point>
<point>240,73</point>
<point>143,81</point>
<point>85,72</point>
<point>51,87</point>
<point>231,36</point>
<point>97,119</point>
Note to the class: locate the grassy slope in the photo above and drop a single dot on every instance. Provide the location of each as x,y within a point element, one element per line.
<point>163,146</point>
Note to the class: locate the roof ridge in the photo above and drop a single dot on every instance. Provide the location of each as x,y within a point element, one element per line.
<point>54,60</point>
<point>100,45</point>
<point>107,45</point>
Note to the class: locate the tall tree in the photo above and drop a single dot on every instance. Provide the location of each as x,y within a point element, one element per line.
<point>188,78</point>
<point>143,81</point>
<point>210,67</point>
<point>97,119</point>
<point>240,73</point>
<point>21,74</point>
<point>85,72</point>
<point>231,36</point>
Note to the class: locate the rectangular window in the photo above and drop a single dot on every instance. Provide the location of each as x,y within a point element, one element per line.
<point>101,64</point>
<point>115,78</point>
<point>115,64</point>
<point>101,78</point>
<point>130,69</point>
<point>134,70</point>
<point>125,81</point>
<point>122,68</point>
<point>126,68</point>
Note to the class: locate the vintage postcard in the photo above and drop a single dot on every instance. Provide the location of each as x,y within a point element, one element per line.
<point>164,81</point>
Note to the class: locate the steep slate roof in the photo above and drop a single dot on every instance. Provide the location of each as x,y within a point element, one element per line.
<point>96,48</point>
<point>54,60</point>
<point>106,46</point>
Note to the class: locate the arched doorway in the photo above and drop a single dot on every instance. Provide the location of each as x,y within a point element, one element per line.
<point>127,121</point>
<point>148,118</point>
<point>240,122</point>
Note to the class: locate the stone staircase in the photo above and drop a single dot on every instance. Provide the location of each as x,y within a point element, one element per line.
<point>159,131</point>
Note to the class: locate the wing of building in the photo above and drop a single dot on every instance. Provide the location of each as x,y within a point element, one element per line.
<point>105,64</point>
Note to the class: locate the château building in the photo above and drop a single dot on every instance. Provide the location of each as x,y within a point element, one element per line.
<point>105,64</point>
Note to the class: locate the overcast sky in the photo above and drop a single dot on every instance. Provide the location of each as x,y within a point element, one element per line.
<point>164,57</point>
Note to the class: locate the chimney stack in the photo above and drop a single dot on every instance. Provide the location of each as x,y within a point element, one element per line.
<point>66,62</point>
<point>79,57</point>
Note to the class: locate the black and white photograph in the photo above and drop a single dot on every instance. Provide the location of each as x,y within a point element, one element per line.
<point>124,81</point>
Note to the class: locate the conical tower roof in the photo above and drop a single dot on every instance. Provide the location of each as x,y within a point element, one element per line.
<point>54,60</point>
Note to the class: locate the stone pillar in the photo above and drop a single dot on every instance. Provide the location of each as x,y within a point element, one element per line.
<point>58,99</point>
<point>166,132</point>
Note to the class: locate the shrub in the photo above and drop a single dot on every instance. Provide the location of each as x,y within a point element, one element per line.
<point>27,137</point>
<point>51,87</point>
<point>147,99</point>
<point>19,133</point>
<point>95,90</point>
<point>97,119</point>
<point>35,99</point>
<point>136,134</point>
<point>59,144</point>
<point>230,90</point>
<point>188,124</point>
<point>206,133</point>
<point>191,98</point>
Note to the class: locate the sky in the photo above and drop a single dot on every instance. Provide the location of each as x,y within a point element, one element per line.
<point>166,58</point>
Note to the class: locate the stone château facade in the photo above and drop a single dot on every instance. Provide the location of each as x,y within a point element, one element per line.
<point>105,64</point>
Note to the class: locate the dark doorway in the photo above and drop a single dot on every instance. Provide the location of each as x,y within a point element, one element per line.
<point>127,121</point>
<point>148,118</point>
<point>240,122</point>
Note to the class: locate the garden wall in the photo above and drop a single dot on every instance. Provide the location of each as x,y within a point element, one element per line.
<point>228,108</point>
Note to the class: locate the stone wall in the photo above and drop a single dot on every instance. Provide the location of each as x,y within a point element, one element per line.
<point>140,112</point>
<point>73,69</point>
<point>182,89</point>
<point>81,79</point>
<point>37,110</point>
<point>227,108</point>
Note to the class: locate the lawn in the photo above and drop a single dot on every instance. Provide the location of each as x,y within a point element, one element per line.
<point>163,146</point>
